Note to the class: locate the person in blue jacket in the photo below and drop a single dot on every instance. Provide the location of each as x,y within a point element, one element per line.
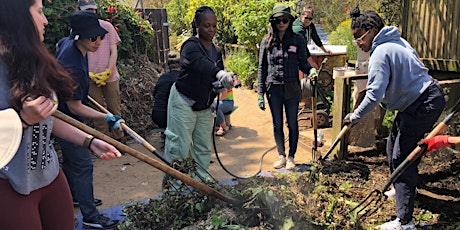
<point>398,81</point>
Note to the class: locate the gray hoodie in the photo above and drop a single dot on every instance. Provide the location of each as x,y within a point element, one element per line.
<point>396,75</point>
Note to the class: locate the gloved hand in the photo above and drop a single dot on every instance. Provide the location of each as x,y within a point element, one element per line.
<point>312,73</point>
<point>261,101</point>
<point>349,119</point>
<point>114,121</point>
<point>436,143</point>
<point>237,83</point>
<point>101,77</point>
<point>225,78</point>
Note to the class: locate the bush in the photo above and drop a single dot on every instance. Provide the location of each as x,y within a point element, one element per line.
<point>342,36</point>
<point>135,32</point>
<point>244,64</point>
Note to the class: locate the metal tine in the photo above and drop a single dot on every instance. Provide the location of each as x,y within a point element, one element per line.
<point>375,199</point>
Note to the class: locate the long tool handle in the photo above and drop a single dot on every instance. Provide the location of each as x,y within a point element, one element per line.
<point>336,141</point>
<point>420,149</point>
<point>133,134</point>
<point>314,109</point>
<point>149,160</point>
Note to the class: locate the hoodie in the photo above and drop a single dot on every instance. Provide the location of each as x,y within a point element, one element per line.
<point>308,32</point>
<point>396,75</point>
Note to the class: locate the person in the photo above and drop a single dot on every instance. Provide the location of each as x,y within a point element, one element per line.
<point>77,163</point>
<point>190,127</point>
<point>304,25</point>
<point>34,193</point>
<point>399,82</point>
<point>282,54</point>
<point>161,93</point>
<point>100,62</point>
<point>226,105</point>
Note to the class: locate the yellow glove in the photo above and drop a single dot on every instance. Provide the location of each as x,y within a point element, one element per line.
<point>102,77</point>
<point>93,77</point>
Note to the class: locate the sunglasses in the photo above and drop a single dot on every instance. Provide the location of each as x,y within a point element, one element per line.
<point>278,21</point>
<point>93,39</point>
<point>309,18</point>
<point>360,39</point>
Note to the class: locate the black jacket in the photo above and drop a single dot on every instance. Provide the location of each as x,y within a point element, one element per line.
<point>198,73</point>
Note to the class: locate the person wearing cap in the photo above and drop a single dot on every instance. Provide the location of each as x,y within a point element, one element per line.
<point>102,62</point>
<point>77,162</point>
<point>34,193</point>
<point>282,54</point>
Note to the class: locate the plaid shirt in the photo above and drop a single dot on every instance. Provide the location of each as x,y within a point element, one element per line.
<point>283,62</point>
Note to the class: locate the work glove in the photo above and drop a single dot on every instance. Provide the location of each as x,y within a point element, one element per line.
<point>237,83</point>
<point>114,121</point>
<point>261,102</point>
<point>225,78</point>
<point>436,143</point>
<point>312,73</point>
<point>100,78</point>
<point>350,119</point>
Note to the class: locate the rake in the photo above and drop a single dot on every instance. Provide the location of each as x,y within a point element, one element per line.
<point>377,197</point>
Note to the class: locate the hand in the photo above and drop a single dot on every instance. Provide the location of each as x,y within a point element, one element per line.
<point>225,78</point>
<point>104,150</point>
<point>436,143</point>
<point>114,121</point>
<point>102,77</point>
<point>36,110</point>
<point>261,102</point>
<point>350,119</point>
<point>313,73</point>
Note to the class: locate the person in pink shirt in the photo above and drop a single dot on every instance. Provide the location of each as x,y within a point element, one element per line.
<point>106,92</point>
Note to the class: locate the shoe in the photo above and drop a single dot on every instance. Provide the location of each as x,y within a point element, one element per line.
<point>280,162</point>
<point>396,225</point>
<point>392,193</point>
<point>101,222</point>
<point>97,202</point>
<point>290,164</point>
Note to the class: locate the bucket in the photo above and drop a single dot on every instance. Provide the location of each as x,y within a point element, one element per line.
<point>338,72</point>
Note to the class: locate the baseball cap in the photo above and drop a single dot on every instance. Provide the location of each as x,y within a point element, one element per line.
<point>10,135</point>
<point>87,4</point>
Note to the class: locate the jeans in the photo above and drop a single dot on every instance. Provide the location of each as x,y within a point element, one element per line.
<point>408,129</point>
<point>225,106</point>
<point>77,164</point>
<point>276,101</point>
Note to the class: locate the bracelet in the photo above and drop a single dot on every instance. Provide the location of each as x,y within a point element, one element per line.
<point>23,121</point>
<point>88,140</point>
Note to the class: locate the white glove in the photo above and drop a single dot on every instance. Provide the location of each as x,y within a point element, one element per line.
<point>225,78</point>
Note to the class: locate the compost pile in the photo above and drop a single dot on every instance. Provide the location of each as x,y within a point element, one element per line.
<point>320,197</point>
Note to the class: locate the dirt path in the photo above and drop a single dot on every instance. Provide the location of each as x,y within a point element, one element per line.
<point>128,179</point>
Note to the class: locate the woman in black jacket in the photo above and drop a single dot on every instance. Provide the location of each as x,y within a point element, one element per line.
<point>189,125</point>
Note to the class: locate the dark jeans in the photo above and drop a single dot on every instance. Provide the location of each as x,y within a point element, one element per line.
<point>159,118</point>
<point>276,101</point>
<point>408,129</point>
<point>77,164</point>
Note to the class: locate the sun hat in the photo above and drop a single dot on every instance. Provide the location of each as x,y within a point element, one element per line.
<point>87,4</point>
<point>10,135</point>
<point>281,10</point>
<point>85,24</point>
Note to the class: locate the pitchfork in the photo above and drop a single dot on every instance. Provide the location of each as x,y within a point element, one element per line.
<point>377,197</point>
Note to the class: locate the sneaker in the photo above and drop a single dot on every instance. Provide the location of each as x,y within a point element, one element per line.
<point>280,162</point>
<point>290,164</point>
<point>97,202</point>
<point>101,222</point>
<point>396,225</point>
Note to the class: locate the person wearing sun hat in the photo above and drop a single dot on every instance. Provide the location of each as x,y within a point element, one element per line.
<point>282,54</point>
<point>102,64</point>
<point>77,163</point>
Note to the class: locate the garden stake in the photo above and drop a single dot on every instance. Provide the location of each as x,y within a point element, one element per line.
<point>415,154</point>
<point>336,141</point>
<point>133,134</point>
<point>149,160</point>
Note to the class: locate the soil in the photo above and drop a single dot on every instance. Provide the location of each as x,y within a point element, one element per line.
<point>318,197</point>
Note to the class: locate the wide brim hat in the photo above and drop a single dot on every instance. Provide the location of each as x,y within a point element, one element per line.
<point>281,10</point>
<point>85,24</point>
<point>10,135</point>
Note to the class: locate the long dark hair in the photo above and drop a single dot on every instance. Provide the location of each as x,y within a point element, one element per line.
<point>273,36</point>
<point>197,18</point>
<point>32,70</point>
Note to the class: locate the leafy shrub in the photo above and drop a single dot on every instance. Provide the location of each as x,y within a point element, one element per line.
<point>244,64</point>
<point>135,32</point>
<point>342,36</point>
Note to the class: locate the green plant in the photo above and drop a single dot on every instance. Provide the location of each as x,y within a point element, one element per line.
<point>342,36</point>
<point>244,64</point>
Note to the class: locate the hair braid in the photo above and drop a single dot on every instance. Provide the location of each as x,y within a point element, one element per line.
<point>197,19</point>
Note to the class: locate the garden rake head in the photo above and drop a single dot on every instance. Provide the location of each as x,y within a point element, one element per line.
<point>369,205</point>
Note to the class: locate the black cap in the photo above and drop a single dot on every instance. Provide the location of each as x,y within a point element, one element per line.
<point>85,24</point>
